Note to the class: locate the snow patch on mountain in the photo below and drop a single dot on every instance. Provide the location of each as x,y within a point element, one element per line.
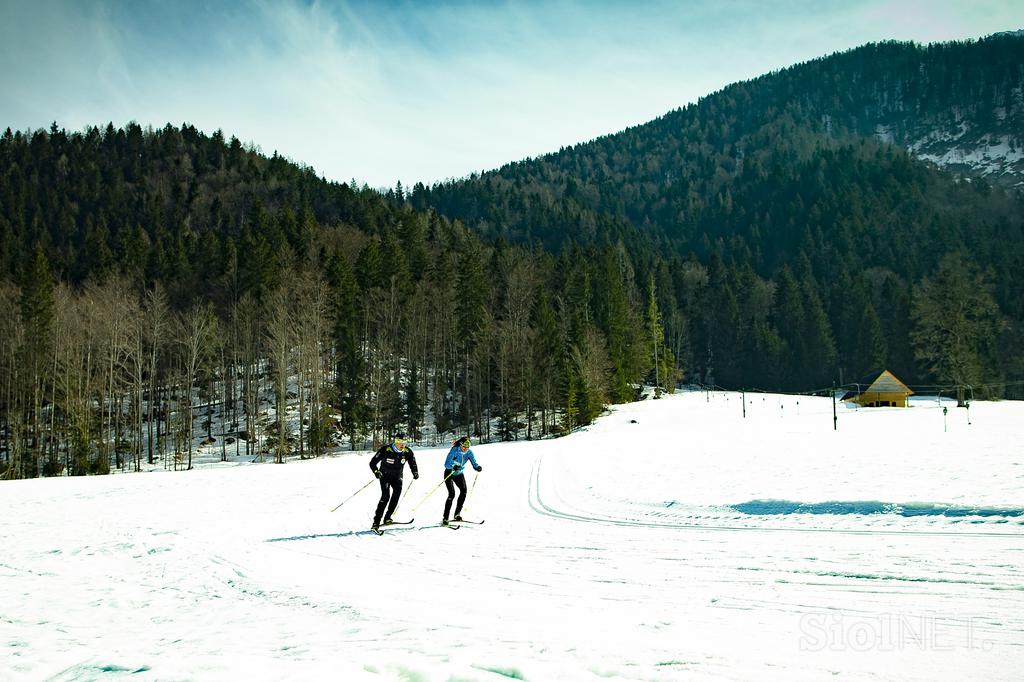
<point>994,157</point>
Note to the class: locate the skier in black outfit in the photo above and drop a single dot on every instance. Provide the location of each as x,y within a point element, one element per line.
<point>387,465</point>
<point>455,476</point>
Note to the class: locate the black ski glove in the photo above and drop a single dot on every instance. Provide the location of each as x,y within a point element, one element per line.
<point>376,472</point>
<point>478,468</point>
<point>415,476</point>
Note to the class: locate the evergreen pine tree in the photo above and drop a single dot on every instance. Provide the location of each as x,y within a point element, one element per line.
<point>549,358</point>
<point>347,334</point>
<point>660,355</point>
<point>956,323</point>
<point>37,322</point>
<point>619,330</point>
<point>871,345</point>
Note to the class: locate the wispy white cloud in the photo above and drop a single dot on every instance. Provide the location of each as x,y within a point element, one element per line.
<point>386,91</point>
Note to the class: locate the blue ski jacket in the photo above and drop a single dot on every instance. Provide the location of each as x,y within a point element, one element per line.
<point>456,460</point>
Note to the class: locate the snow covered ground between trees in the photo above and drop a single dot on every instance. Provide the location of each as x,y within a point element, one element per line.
<point>673,539</point>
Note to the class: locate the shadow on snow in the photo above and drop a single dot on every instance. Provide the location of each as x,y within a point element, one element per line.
<point>322,535</point>
<point>773,507</point>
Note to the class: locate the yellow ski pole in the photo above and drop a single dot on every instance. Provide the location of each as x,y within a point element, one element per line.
<point>431,492</point>
<point>472,488</point>
<point>407,491</point>
<point>356,492</point>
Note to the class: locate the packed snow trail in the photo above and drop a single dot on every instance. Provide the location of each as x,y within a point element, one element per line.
<point>620,552</point>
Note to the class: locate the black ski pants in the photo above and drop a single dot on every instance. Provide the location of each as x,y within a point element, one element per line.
<point>450,481</point>
<point>390,488</point>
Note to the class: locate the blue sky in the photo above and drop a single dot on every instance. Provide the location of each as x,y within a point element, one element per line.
<point>383,91</point>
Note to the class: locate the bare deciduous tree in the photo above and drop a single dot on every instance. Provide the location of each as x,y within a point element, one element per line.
<point>195,330</point>
<point>155,321</point>
<point>280,338</point>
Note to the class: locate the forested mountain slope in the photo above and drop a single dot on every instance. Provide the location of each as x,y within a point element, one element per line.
<point>174,203</point>
<point>818,171</point>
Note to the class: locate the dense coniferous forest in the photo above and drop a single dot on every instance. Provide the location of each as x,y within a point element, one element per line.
<point>794,197</point>
<point>159,284</point>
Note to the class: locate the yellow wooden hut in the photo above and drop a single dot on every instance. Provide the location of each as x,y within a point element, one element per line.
<point>880,390</point>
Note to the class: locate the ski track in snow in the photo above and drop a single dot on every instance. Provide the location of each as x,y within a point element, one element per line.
<point>615,553</point>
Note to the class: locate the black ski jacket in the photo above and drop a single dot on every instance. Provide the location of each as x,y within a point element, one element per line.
<point>392,463</point>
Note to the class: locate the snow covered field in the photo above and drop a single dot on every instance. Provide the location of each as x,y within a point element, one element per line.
<point>692,544</point>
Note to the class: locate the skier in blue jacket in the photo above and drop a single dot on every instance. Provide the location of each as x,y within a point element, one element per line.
<point>454,475</point>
